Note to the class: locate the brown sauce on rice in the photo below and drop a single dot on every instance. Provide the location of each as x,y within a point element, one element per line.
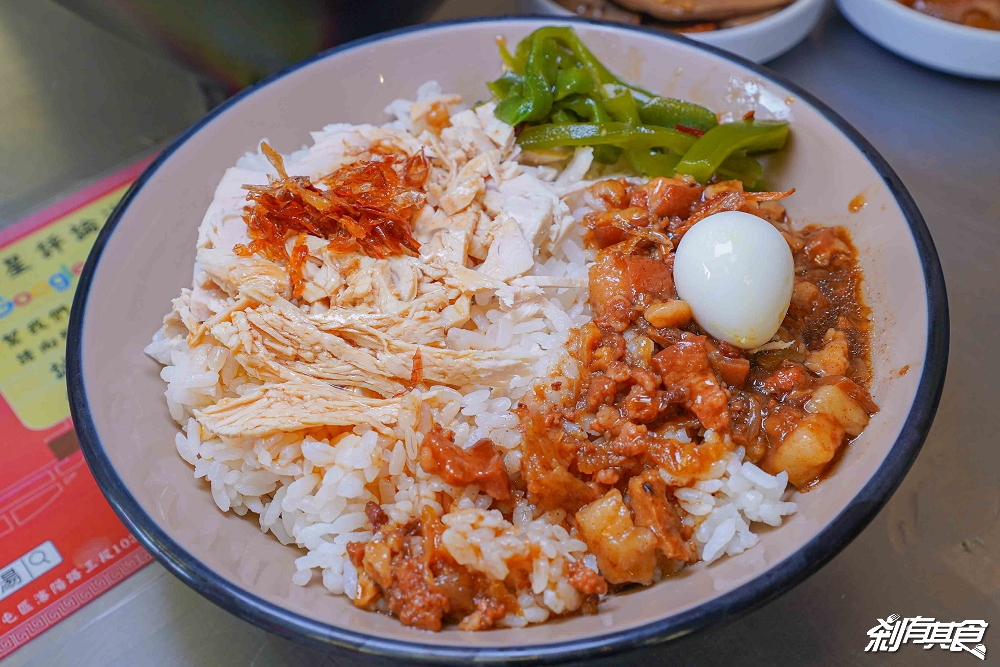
<point>657,403</point>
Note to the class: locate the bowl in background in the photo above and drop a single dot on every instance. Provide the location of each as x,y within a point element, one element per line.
<point>932,42</point>
<point>759,41</point>
<point>144,256</point>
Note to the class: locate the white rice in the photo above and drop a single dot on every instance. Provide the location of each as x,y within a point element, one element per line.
<point>724,506</point>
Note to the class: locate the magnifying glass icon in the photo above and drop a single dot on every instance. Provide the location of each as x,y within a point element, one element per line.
<point>37,558</point>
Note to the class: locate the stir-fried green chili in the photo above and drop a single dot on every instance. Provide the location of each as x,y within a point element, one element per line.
<point>670,112</point>
<point>571,81</point>
<point>587,108</point>
<point>739,167</point>
<point>508,84</point>
<point>623,135</point>
<point>653,163</point>
<point>623,108</point>
<point>711,149</point>
<point>559,94</point>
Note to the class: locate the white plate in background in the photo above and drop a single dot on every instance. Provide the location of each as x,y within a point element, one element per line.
<point>759,41</point>
<point>941,45</point>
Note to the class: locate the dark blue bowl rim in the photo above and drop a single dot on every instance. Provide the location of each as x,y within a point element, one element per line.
<point>769,585</point>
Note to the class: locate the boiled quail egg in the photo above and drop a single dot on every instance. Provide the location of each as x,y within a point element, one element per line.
<point>736,272</point>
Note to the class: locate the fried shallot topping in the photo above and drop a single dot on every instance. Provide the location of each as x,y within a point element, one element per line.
<point>367,207</point>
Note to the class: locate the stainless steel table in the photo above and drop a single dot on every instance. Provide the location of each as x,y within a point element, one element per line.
<point>933,551</point>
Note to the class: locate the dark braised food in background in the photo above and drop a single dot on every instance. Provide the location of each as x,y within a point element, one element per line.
<point>973,13</point>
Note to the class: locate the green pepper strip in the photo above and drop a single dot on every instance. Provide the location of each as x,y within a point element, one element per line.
<point>521,54</point>
<point>571,81</point>
<point>507,85</point>
<point>623,108</point>
<point>564,117</point>
<point>712,148</point>
<point>598,72</point>
<point>511,108</point>
<point>652,163</point>
<point>668,112</point>
<point>587,108</point>
<point>620,114</point>
<point>539,75</point>
<point>513,63</point>
<point>596,134</point>
<point>607,154</point>
<point>741,168</point>
<point>653,110</point>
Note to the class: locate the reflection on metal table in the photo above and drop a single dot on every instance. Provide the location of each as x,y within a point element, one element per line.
<point>934,551</point>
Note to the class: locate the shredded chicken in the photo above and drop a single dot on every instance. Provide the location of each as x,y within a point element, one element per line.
<point>293,406</point>
<point>278,341</point>
<point>307,288</point>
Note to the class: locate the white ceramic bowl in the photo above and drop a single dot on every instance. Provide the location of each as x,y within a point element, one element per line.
<point>759,41</point>
<point>941,45</point>
<point>144,257</point>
